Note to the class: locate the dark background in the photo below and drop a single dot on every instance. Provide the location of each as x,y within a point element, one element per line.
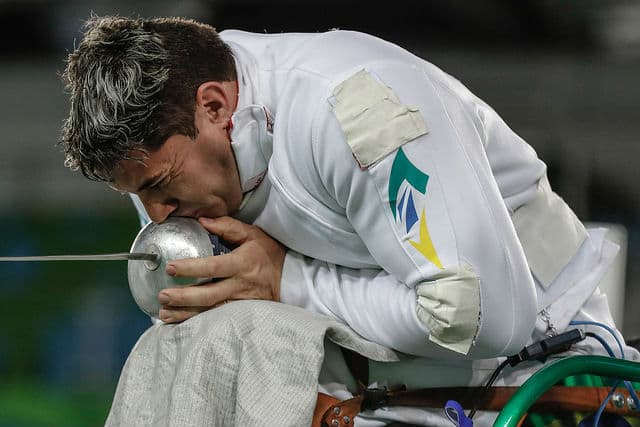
<point>564,75</point>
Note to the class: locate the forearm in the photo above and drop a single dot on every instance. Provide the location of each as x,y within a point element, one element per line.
<point>370,301</point>
<point>383,310</point>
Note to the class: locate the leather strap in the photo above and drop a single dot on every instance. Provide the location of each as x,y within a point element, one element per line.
<point>323,404</point>
<point>556,399</point>
<point>358,366</point>
<point>342,414</point>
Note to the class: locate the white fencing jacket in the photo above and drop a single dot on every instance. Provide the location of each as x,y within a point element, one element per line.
<point>411,211</point>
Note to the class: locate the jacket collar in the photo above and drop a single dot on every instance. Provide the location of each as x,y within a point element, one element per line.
<point>251,134</point>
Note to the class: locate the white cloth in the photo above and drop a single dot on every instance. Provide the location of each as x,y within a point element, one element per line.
<point>364,240</point>
<point>351,256</point>
<point>246,363</point>
<point>350,231</point>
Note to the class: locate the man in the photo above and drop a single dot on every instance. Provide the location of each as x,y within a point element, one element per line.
<point>381,192</point>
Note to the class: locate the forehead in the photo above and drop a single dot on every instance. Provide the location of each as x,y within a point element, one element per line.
<point>130,174</point>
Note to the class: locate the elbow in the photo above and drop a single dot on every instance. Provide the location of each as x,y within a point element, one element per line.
<point>505,330</point>
<point>464,318</point>
<point>449,306</point>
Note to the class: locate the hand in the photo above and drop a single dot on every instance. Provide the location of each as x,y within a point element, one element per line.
<point>251,271</point>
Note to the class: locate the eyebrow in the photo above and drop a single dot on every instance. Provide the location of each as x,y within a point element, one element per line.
<point>150,182</point>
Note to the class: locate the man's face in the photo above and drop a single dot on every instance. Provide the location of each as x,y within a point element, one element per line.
<point>186,177</point>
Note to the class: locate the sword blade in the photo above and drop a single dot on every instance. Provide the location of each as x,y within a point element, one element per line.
<point>125,256</point>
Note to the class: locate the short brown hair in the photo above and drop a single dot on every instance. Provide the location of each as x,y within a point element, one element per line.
<point>133,84</point>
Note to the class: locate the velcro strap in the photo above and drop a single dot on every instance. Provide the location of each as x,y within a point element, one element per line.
<point>550,233</point>
<point>373,119</point>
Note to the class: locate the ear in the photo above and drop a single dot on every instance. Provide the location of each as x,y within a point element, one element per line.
<point>217,100</point>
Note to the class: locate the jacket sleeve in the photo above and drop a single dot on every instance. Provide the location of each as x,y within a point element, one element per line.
<point>453,278</point>
<point>373,302</point>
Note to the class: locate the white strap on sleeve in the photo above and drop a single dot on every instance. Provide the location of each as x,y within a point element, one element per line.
<point>576,283</point>
<point>372,118</point>
<point>550,233</point>
<point>450,307</point>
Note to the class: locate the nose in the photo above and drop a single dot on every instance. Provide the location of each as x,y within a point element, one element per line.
<point>159,211</point>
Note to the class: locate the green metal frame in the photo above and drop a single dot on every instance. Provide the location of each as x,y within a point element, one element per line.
<point>549,375</point>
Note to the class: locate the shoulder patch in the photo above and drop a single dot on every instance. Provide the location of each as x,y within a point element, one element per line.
<point>372,118</point>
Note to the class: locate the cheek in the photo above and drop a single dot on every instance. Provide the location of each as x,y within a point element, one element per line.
<point>203,184</point>
<point>196,190</point>
<point>223,170</point>
<point>212,175</point>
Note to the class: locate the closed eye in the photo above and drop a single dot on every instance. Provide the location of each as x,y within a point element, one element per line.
<point>163,183</point>
<point>156,183</point>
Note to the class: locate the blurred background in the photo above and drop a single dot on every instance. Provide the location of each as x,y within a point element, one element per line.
<point>564,75</point>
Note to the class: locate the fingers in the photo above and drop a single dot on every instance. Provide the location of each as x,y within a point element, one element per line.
<point>216,266</point>
<point>211,294</point>
<point>207,295</point>
<point>178,314</point>
<point>179,304</point>
<point>227,228</point>
<point>251,271</point>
